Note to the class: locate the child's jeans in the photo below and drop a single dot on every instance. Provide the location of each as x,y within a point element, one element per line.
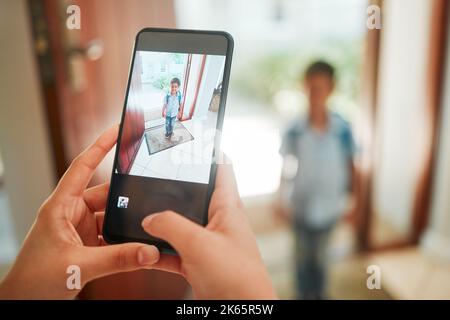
<point>311,260</point>
<point>170,121</point>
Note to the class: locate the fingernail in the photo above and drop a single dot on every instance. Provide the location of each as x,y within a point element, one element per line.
<point>147,220</point>
<point>147,255</point>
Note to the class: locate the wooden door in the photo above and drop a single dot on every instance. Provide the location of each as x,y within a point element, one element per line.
<point>134,123</point>
<point>89,70</point>
<point>91,64</point>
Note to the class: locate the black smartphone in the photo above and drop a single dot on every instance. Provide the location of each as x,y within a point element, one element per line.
<point>169,133</point>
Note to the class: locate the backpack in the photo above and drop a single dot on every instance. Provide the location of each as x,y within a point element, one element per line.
<point>178,96</point>
<point>345,135</point>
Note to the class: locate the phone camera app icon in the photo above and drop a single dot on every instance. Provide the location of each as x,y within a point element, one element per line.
<point>122,202</point>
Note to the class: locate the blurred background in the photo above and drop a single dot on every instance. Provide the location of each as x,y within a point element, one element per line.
<point>60,88</point>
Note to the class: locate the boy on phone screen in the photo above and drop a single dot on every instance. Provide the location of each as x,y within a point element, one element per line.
<point>172,105</point>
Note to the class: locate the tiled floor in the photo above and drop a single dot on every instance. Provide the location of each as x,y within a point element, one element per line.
<point>189,161</point>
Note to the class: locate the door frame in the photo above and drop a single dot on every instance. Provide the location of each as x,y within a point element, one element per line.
<point>44,17</point>
<point>434,89</point>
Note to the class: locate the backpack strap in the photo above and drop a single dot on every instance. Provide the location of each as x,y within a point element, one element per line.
<point>178,96</point>
<point>346,138</point>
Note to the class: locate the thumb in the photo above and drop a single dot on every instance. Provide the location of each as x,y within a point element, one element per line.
<point>174,228</point>
<point>106,260</point>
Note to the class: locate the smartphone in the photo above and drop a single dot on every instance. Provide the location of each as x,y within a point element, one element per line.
<point>169,133</point>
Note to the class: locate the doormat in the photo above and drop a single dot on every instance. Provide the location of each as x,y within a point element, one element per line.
<point>157,141</point>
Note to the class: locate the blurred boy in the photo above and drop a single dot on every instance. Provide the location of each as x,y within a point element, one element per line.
<point>172,106</point>
<point>322,144</point>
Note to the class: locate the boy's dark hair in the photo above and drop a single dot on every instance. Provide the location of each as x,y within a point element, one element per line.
<point>320,67</point>
<point>175,80</point>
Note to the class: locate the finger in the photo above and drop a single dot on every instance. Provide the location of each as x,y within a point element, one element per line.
<point>102,242</point>
<point>99,218</point>
<point>168,263</point>
<point>225,172</point>
<point>172,227</point>
<point>225,192</point>
<point>79,174</point>
<point>95,197</point>
<point>101,261</point>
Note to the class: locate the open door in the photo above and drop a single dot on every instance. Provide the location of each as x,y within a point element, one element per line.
<point>134,123</point>
<point>402,108</point>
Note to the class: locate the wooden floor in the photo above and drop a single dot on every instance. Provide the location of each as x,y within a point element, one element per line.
<point>347,271</point>
<point>411,274</point>
<point>347,275</point>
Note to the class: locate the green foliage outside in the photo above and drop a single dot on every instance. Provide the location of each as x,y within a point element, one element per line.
<point>162,82</point>
<point>262,77</point>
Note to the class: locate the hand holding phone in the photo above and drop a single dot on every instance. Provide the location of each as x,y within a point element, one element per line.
<point>168,163</point>
<point>66,241</point>
<point>221,261</point>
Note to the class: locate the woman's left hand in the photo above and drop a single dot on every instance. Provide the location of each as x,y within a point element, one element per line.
<point>67,235</point>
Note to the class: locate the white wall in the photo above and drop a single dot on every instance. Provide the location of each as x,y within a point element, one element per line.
<point>402,121</point>
<point>211,74</point>
<point>24,139</point>
<point>437,236</point>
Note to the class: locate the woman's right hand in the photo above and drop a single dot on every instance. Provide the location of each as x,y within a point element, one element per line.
<point>221,261</point>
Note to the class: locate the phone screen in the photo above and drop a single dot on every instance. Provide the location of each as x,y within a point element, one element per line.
<point>170,131</point>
